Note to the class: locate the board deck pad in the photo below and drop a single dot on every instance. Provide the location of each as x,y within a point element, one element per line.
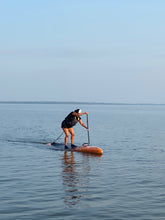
<point>84,148</point>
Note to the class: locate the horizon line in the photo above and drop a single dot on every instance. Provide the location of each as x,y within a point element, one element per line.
<point>77,102</point>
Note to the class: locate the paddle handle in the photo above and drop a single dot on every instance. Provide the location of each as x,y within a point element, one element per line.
<point>88,130</point>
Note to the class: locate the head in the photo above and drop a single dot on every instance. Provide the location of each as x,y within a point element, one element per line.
<point>78,111</point>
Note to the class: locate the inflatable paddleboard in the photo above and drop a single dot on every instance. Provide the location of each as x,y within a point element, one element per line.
<point>83,149</point>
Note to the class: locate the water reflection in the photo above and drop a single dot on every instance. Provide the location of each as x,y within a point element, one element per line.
<point>75,178</point>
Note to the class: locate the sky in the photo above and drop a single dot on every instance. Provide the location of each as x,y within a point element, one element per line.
<point>110,51</point>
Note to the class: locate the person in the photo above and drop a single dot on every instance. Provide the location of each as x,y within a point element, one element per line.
<point>69,122</point>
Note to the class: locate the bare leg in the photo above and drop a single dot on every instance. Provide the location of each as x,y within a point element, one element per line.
<point>71,130</point>
<point>66,131</point>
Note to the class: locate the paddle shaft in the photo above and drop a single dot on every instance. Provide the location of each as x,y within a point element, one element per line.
<point>88,131</point>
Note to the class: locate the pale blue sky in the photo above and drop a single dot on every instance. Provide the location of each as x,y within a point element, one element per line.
<point>82,50</point>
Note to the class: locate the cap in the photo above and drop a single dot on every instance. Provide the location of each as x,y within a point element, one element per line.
<point>78,110</point>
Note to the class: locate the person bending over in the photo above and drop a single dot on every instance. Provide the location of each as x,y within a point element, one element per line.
<point>69,122</point>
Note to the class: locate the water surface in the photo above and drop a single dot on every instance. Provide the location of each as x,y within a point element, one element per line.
<point>127,182</point>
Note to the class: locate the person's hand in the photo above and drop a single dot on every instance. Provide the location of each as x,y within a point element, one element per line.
<point>86,113</point>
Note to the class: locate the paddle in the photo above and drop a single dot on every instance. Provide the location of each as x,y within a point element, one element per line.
<point>88,131</point>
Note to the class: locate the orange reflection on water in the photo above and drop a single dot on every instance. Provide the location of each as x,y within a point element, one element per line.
<point>76,178</point>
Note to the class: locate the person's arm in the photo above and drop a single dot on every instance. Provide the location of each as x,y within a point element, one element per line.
<point>81,122</point>
<point>79,114</point>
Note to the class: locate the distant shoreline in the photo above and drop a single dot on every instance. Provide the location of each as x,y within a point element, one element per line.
<point>74,102</point>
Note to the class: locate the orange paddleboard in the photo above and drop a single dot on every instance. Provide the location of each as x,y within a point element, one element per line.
<point>89,149</point>
<point>83,149</point>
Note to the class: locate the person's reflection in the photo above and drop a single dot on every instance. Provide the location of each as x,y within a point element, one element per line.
<point>71,179</point>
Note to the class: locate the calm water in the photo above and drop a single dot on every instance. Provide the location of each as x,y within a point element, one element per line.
<point>127,182</point>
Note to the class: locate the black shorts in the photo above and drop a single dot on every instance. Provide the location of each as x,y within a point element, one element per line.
<point>65,125</point>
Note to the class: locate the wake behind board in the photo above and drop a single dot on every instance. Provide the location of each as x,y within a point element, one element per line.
<point>84,149</point>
